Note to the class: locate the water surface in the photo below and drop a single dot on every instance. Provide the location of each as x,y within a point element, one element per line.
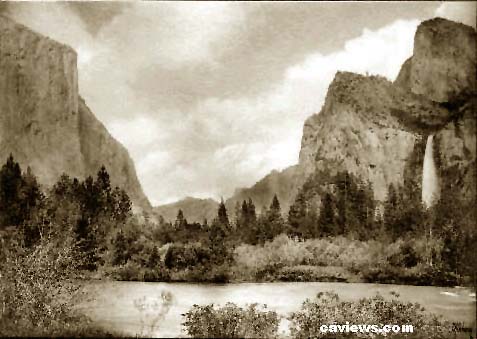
<point>111,304</point>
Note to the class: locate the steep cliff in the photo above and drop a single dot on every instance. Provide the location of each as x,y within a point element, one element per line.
<point>377,129</point>
<point>443,68</point>
<point>359,129</point>
<point>43,121</point>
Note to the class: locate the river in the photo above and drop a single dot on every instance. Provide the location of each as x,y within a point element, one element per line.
<point>111,304</point>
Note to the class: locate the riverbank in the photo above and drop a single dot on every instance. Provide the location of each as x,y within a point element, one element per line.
<point>285,259</point>
<point>114,304</point>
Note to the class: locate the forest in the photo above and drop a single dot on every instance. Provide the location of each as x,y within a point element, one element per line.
<point>80,230</point>
<point>344,236</point>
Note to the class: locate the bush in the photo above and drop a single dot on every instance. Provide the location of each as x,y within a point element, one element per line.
<point>156,274</point>
<point>328,309</point>
<point>314,273</point>
<point>131,271</point>
<point>37,289</point>
<point>231,321</point>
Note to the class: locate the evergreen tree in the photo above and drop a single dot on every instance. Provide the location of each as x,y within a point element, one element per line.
<point>32,209</point>
<point>103,191</point>
<point>297,215</point>
<point>274,220</point>
<point>251,214</point>
<point>154,258</point>
<point>327,221</point>
<point>222,216</point>
<point>180,222</point>
<point>11,183</point>
<point>237,215</point>
<point>122,205</point>
<point>391,212</point>
<point>120,251</point>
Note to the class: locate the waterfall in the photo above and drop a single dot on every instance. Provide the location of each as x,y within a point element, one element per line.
<point>430,181</point>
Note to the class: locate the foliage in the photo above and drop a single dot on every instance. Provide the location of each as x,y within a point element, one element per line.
<point>37,291</point>
<point>409,261</point>
<point>231,321</point>
<point>328,309</point>
<point>346,207</point>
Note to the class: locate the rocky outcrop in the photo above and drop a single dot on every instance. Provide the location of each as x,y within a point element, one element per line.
<point>443,65</point>
<point>370,128</point>
<point>377,130</point>
<point>455,146</point>
<point>443,69</point>
<point>43,121</point>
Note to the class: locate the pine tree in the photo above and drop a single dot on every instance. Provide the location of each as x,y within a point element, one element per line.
<point>103,191</point>
<point>238,215</point>
<point>222,216</point>
<point>274,219</point>
<point>180,222</point>
<point>122,205</point>
<point>154,258</point>
<point>32,208</point>
<point>297,215</point>
<point>251,214</point>
<point>391,212</point>
<point>120,252</point>
<point>11,183</point>
<point>249,230</point>
<point>326,219</point>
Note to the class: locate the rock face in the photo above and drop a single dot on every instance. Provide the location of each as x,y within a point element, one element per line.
<point>44,122</point>
<point>443,65</point>
<point>377,130</point>
<point>443,69</point>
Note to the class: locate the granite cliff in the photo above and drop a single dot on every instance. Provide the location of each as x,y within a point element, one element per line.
<point>377,129</point>
<point>45,123</point>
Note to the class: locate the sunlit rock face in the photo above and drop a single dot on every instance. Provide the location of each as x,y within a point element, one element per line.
<point>44,122</point>
<point>430,180</point>
<point>377,129</point>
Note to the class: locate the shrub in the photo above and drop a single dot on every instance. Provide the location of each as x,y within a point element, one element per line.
<point>131,271</point>
<point>328,309</point>
<point>156,274</point>
<point>37,292</point>
<point>231,321</point>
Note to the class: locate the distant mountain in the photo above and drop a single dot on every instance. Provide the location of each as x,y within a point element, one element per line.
<point>282,183</point>
<point>194,209</point>
<point>45,123</point>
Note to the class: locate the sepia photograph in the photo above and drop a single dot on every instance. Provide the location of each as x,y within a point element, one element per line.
<point>242,169</point>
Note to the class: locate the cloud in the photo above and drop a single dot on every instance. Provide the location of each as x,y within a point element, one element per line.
<point>172,34</point>
<point>212,96</point>
<point>463,12</point>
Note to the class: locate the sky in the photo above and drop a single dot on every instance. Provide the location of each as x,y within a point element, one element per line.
<point>212,96</point>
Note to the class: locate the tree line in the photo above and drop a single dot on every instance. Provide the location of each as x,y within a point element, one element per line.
<point>85,209</point>
<point>97,218</point>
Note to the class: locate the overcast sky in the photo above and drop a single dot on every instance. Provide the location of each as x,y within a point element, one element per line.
<point>208,97</point>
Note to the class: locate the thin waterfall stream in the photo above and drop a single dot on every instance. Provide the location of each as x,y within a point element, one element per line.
<point>430,180</point>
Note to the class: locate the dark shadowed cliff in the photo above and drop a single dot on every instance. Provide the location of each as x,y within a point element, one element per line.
<point>45,123</point>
